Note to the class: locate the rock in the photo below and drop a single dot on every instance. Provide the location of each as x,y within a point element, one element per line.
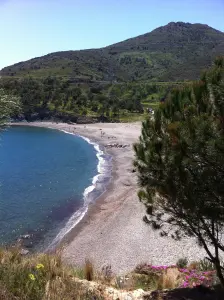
<point>25,236</point>
<point>116,145</point>
<point>24,251</point>
<point>110,293</point>
<point>110,290</point>
<point>128,297</point>
<point>138,294</point>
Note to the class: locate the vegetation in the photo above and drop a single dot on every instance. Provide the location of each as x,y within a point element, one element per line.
<point>9,105</point>
<point>177,51</point>
<point>182,263</point>
<point>170,277</point>
<point>46,277</point>
<point>39,277</point>
<point>52,97</point>
<point>180,158</point>
<point>116,83</point>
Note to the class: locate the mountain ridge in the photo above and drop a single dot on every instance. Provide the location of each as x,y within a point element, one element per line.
<point>176,51</point>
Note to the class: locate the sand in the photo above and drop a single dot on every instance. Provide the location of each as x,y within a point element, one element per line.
<point>113,232</point>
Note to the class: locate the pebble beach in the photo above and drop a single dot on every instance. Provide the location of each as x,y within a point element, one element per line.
<point>113,231</point>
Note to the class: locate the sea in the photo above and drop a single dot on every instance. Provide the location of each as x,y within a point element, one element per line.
<point>47,180</point>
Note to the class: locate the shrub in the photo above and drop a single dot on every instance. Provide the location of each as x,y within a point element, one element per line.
<point>169,279</point>
<point>41,277</point>
<point>205,265</point>
<point>194,266</point>
<point>194,278</point>
<point>107,273</point>
<point>88,270</point>
<point>145,282</point>
<point>182,263</point>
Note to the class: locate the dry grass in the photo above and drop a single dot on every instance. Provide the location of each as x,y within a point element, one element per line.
<point>169,279</point>
<point>88,270</point>
<point>46,277</point>
<point>193,266</point>
<point>41,277</point>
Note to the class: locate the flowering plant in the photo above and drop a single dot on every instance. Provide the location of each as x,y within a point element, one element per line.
<point>189,277</point>
<point>193,278</point>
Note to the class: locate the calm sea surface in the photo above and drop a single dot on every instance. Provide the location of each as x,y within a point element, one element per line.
<point>43,175</point>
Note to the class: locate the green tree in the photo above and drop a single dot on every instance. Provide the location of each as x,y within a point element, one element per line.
<point>138,106</point>
<point>180,159</point>
<point>9,106</point>
<point>115,111</point>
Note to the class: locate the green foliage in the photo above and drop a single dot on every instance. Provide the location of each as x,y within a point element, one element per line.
<point>177,51</point>
<point>182,263</point>
<point>146,282</point>
<point>51,97</point>
<point>180,158</point>
<point>205,265</point>
<point>9,105</point>
<point>47,277</point>
<point>40,277</point>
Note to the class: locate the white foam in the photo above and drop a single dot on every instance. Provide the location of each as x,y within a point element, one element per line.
<point>78,215</point>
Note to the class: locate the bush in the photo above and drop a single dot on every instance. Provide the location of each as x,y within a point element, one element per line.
<point>88,270</point>
<point>182,263</point>
<point>205,265</point>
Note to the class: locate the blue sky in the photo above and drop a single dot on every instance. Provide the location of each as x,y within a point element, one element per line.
<point>31,28</point>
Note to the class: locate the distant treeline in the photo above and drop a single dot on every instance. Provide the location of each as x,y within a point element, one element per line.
<point>52,96</point>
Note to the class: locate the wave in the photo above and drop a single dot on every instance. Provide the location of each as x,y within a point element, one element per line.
<point>90,194</point>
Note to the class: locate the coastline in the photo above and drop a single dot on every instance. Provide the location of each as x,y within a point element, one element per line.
<point>112,231</point>
<point>90,194</point>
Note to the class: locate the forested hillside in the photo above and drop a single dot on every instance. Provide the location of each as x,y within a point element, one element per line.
<point>52,97</point>
<point>177,51</point>
<point>115,83</point>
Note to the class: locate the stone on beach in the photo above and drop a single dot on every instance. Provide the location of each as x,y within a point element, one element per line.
<point>117,145</point>
<point>25,236</point>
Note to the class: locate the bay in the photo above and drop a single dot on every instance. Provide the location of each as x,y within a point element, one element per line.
<point>43,175</point>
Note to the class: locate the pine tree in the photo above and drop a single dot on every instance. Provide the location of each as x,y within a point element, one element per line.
<point>180,164</point>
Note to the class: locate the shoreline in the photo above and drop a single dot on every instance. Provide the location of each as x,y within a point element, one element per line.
<point>104,172</point>
<point>112,231</point>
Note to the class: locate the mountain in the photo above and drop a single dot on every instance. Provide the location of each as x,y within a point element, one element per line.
<point>175,52</point>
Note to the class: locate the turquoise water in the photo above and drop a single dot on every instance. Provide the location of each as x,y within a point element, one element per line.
<point>44,177</point>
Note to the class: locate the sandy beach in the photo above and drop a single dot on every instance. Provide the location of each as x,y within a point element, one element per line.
<point>113,232</point>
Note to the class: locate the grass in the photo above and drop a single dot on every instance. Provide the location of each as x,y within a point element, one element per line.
<point>88,270</point>
<point>132,117</point>
<point>152,105</point>
<point>40,277</point>
<point>170,279</point>
<point>145,282</point>
<point>47,277</point>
